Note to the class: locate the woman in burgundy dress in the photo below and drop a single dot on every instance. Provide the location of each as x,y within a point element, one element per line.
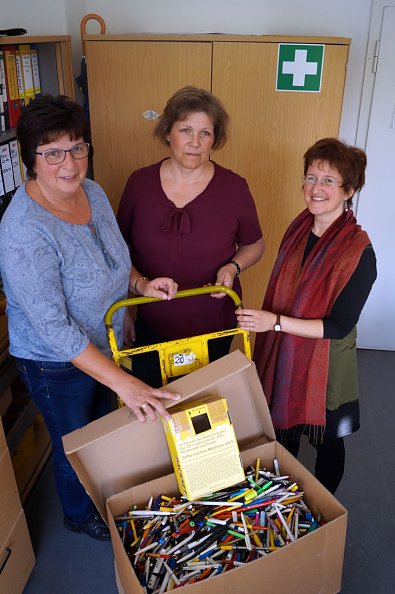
<point>192,220</point>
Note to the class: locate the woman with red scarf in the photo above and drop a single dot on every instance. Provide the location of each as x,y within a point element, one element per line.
<point>306,354</point>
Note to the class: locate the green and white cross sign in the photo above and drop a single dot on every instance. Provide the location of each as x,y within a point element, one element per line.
<point>299,67</point>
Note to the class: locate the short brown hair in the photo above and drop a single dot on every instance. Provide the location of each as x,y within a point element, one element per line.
<point>349,161</point>
<point>191,99</point>
<point>44,120</point>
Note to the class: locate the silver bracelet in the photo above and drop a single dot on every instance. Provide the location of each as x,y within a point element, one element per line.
<point>136,281</point>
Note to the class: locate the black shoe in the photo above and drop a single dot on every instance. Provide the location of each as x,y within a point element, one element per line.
<point>94,527</point>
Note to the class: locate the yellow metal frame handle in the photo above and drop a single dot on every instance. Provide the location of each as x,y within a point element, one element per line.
<point>186,293</point>
<point>118,354</point>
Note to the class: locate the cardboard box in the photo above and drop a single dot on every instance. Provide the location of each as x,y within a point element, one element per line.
<point>125,462</point>
<point>203,447</point>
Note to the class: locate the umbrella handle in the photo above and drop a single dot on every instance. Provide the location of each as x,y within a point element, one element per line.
<point>89,17</point>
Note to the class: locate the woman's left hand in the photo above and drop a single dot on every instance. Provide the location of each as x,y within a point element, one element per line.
<point>163,287</point>
<point>255,320</point>
<point>225,277</point>
<point>245,256</point>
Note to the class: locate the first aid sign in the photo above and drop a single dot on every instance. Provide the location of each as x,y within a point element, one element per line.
<point>299,67</point>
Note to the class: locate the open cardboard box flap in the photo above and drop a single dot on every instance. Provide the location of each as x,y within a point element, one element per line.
<point>117,451</point>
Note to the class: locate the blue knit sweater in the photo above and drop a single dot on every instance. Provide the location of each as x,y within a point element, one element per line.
<point>60,278</point>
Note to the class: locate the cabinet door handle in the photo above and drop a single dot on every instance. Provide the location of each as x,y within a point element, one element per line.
<point>7,552</point>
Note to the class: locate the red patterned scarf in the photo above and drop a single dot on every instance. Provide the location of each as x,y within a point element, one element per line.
<point>294,370</point>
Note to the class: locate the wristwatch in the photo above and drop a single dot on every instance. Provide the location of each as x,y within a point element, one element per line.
<point>277,325</point>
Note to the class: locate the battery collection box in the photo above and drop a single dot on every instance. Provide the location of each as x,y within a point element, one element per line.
<point>203,447</point>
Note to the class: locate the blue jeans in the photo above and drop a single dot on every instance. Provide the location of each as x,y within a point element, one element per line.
<point>67,399</point>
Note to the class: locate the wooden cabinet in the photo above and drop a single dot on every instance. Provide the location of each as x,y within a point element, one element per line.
<point>127,79</point>
<point>16,552</point>
<point>27,437</point>
<point>130,75</point>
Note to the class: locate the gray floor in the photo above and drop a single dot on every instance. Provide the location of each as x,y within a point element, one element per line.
<point>74,564</point>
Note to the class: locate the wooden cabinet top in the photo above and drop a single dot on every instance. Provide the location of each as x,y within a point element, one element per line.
<point>210,37</point>
<point>34,39</point>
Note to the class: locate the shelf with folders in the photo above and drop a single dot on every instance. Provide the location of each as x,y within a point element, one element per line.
<point>11,168</point>
<point>12,171</point>
<point>34,65</point>
<point>29,66</point>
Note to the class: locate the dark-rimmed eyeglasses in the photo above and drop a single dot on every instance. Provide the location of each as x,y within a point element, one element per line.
<point>57,156</point>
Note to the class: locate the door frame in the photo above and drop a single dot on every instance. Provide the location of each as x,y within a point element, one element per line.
<point>376,25</point>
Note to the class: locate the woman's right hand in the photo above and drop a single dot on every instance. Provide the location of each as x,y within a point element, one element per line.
<point>144,401</point>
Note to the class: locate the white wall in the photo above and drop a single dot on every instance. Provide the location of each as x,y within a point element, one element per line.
<point>38,17</point>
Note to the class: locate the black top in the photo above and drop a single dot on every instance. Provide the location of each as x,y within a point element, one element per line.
<point>348,306</point>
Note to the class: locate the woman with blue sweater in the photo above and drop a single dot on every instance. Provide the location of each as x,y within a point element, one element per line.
<point>63,263</point>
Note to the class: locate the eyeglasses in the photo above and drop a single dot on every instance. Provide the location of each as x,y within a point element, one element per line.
<point>57,156</point>
<point>312,180</point>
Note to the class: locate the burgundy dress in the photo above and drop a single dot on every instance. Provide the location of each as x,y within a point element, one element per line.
<point>187,244</point>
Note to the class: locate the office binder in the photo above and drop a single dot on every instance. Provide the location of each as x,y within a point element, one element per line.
<point>2,119</point>
<point>6,167</point>
<point>3,90</point>
<point>19,77</point>
<point>2,191</point>
<point>35,69</point>
<point>16,162</point>
<point>14,104</point>
<point>27,72</point>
